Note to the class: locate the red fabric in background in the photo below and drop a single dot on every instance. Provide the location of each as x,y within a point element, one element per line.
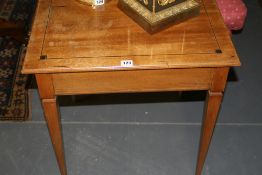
<point>234,13</point>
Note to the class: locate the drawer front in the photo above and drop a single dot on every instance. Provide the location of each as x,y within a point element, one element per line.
<point>133,81</point>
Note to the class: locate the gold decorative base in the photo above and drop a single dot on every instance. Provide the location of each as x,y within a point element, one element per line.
<point>153,22</point>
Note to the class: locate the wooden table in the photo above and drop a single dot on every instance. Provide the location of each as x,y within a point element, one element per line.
<point>75,49</point>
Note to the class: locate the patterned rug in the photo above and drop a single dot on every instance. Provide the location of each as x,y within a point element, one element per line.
<point>13,93</point>
<point>16,10</point>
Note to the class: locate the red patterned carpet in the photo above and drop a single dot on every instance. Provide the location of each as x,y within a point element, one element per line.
<point>16,10</point>
<point>13,92</point>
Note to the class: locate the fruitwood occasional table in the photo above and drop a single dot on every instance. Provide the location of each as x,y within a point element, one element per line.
<point>76,49</point>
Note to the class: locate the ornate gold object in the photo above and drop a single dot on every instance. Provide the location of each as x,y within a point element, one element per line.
<point>165,2</point>
<point>155,15</point>
<point>146,2</point>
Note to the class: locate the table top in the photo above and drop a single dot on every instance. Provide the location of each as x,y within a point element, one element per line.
<point>71,37</point>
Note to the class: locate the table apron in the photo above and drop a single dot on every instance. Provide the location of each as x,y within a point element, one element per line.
<point>133,81</point>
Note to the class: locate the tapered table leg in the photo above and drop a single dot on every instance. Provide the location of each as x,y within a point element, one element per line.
<point>213,103</point>
<point>53,121</point>
<point>52,116</point>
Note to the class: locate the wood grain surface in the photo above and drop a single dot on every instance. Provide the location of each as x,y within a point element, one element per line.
<point>76,49</point>
<point>133,81</point>
<point>76,37</point>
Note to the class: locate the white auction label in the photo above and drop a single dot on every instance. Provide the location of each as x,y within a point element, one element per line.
<point>99,2</point>
<point>126,63</point>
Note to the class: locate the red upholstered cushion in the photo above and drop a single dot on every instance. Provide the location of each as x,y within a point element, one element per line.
<point>234,13</point>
